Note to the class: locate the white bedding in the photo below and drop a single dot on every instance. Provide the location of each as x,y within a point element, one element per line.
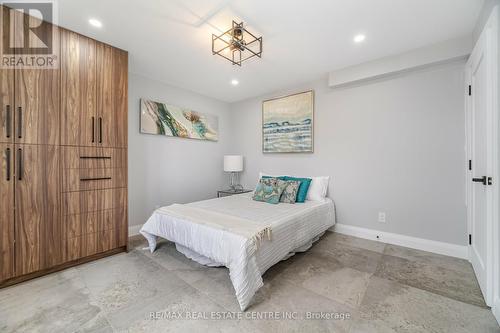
<point>294,228</point>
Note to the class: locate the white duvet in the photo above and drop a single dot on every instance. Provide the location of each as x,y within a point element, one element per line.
<point>294,228</point>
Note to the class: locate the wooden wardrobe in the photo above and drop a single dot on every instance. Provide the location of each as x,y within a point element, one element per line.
<point>63,166</point>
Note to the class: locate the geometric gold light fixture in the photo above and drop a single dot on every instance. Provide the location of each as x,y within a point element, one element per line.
<point>237,44</point>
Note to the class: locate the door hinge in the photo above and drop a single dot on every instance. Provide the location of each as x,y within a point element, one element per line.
<point>470,90</point>
<point>470,164</point>
<point>470,239</point>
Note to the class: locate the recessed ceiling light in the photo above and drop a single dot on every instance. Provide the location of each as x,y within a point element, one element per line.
<point>96,23</point>
<point>235,82</point>
<point>359,38</point>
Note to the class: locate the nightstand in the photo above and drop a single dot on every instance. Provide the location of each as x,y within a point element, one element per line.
<point>227,193</point>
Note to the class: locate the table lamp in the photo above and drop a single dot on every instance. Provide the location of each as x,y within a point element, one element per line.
<point>234,165</point>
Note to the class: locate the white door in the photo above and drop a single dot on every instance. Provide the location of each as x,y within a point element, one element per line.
<point>481,150</point>
<point>479,209</point>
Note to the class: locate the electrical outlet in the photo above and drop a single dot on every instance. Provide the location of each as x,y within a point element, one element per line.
<point>381,217</point>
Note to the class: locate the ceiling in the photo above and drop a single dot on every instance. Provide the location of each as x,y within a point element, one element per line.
<point>170,41</point>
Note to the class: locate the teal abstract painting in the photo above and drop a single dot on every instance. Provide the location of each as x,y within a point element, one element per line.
<point>170,120</point>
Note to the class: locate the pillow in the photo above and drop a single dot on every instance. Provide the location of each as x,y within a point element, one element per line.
<point>265,175</point>
<point>272,177</point>
<point>318,188</point>
<point>269,190</point>
<point>289,195</point>
<point>282,199</point>
<point>303,188</point>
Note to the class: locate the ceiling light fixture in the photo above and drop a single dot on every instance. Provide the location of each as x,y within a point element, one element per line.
<point>235,82</point>
<point>94,22</point>
<point>241,43</point>
<point>359,38</point>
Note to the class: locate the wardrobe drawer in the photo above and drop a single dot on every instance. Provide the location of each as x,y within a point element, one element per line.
<point>86,202</point>
<point>92,157</point>
<point>93,179</point>
<point>94,221</point>
<point>87,168</point>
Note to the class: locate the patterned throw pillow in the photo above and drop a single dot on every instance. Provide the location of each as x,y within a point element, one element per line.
<point>303,188</point>
<point>289,195</point>
<point>269,190</point>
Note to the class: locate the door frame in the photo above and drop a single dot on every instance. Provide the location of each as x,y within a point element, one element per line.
<point>489,35</point>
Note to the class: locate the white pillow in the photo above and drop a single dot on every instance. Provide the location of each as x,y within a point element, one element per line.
<point>318,188</point>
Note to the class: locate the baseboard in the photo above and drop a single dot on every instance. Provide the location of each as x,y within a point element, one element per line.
<point>453,250</point>
<point>133,230</point>
<point>447,249</point>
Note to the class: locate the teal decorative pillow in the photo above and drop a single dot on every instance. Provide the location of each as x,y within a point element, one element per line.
<point>303,188</point>
<point>271,177</point>
<point>289,195</point>
<point>269,190</point>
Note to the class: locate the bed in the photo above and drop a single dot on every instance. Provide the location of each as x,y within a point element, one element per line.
<point>294,228</point>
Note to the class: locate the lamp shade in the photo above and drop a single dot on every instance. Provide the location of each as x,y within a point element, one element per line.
<point>233,163</point>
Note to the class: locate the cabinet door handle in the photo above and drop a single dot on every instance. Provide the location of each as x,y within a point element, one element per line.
<point>8,120</point>
<point>20,167</point>
<point>90,179</point>
<point>95,157</point>
<point>7,156</point>
<point>100,129</point>
<point>93,129</point>
<point>20,123</point>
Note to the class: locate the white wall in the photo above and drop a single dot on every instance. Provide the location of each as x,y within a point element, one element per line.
<point>393,145</point>
<point>483,17</point>
<point>164,170</point>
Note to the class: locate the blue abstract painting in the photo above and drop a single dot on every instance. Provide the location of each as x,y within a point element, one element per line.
<point>287,124</point>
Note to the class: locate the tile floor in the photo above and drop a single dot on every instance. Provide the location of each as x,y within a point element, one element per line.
<point>368,286</point>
